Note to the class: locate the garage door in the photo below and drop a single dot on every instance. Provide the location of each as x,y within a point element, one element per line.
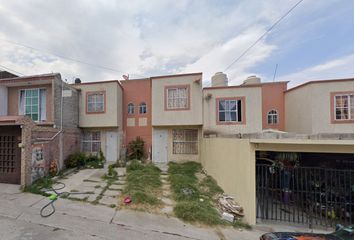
<point>10,155</point>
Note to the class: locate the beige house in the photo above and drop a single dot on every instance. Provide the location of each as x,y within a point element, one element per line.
<point>176,117</point>
<point>101,117</point>
<point>321,107</point>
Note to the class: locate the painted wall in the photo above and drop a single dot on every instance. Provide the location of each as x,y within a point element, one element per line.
<point>3,101</point>
<point>192,116</point>
<point>134,125</point>
<point>13,99</point>
<point>112,117</point>
<point>273,97</point>
<point>253,109</point>
<point>231,162</point>
<point>308,108</point>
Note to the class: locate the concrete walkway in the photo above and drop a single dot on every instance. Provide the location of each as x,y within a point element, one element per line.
<point>20,219</point>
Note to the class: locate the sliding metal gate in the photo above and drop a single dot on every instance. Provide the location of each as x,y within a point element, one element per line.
<point>304,195</point>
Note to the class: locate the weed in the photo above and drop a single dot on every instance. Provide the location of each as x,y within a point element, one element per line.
<point>40,186</point>
<point>240,224</point>
<point>209,187</point>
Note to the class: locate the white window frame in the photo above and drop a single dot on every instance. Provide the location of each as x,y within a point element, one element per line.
<point>185,142</point>
<point>142,107</point>
<point>176,100</point>
<point>90,141</point>
<point>94,103</point>
<point>130,108</point>
<point>274,117</point>
<point>229,110</point>
<point>349,108</point>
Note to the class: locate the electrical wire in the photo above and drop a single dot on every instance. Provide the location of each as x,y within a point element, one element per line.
<point>263,35</point>
<point>66,58</point>
<point>9,69</point>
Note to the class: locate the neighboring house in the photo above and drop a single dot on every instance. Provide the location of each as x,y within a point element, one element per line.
<point>321,107</point>
<point>100,117</point>
<point>38,125</point>
<point>137,112</point>
<point>247,108</point>
<point>177,117</point>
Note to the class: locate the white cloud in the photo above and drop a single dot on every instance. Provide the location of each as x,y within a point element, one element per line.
<point>338,68</point>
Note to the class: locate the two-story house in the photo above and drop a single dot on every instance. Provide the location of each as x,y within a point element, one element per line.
<point>38,126</point>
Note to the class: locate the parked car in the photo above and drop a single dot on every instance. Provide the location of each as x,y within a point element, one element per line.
<point>341,233</point>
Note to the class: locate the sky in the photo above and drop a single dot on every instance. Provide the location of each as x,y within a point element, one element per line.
<point>146,38</point>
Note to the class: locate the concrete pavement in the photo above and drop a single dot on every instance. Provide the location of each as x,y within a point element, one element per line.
<point>20,219</point>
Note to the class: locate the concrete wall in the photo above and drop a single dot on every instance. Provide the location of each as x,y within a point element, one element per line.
<point>232,163</point>
<point>70,105</point>
<point>14,97</point>
<point>136,92</point>
<point>253,109</point>
<point>112,117</point>
<point>191,116</point>
<point>308,108</point>
<point>3,101</point>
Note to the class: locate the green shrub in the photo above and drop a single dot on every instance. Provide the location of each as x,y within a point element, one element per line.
<point>136,149</point>
<point>40,185</point>
<point>134,165</point>
<point>111,171</point>
<point>75,160</point>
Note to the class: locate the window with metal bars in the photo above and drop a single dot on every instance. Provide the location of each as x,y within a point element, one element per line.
<point>91,142</point>
<point>185,141</point>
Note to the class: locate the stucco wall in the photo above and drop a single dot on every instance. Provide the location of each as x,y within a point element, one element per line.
<point>137,124</point>
<point>192,116</point>
<point>13,99</point>
<point>3,101</point>
<point>232,163</point>
<point>308,108</point>
<point>112,117</point>
<point>253,109</point>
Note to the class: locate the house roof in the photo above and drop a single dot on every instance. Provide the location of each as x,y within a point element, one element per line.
<point>98,82</point>
<point>177,75</point>
<point>247,85</point>
<point>321,81</point>
<point>18,81</point>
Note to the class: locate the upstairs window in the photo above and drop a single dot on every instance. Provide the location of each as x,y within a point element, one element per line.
<point>33,104</point>
<point>142,108</point>
<point>130,108</point>
<point>272,117</point>
<point>177,98</point>
<point>95,102</point>
<point>229,110</point>
<point>344,107</point>
<point>91,142</point>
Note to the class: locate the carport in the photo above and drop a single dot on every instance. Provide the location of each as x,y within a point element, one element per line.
<point>315,185</point>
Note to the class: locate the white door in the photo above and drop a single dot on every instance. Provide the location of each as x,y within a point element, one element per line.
<point>159,145</point>
<point>111,146</point>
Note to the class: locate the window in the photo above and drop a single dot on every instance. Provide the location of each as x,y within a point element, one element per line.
<point>95,102</point>
<point>344,107</point>
<point>273,117</point>
<point>130,108</point>
<point>91,142</point>
<point>185,141</point>
<point>142,108</point>
<point>177,97</point>
<point>229,110</point>
<point>33,104</point>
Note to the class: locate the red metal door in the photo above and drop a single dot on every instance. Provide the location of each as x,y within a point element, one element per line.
<point>10,154</point>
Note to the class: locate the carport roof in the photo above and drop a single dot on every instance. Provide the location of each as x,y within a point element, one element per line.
<point>304,141</point>
<point>5,120</point>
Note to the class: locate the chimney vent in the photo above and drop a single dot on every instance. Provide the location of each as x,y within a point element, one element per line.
<point>77,80</point>
<point>219,80</point>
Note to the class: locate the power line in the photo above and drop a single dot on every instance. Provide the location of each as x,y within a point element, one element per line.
<point>9,69</point>
<point>264,34</point>
<point>67,58</point>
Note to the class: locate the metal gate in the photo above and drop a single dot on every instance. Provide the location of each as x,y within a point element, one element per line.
<point>305,195</point>
<point>10,155</point>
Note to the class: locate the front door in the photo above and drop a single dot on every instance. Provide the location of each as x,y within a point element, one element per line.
<point>111,146</point>
<point>10,154</point>
<point>159,146</point>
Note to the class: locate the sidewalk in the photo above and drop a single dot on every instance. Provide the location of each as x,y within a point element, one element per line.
<point>20,219</point>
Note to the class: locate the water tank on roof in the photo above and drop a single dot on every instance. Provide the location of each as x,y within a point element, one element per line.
<point>219,80</point>
<point>77,80</point>
<point>252,80</point>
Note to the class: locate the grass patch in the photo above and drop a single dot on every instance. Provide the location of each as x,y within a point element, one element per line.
<point>209,187</point>
<point>40,185</point>
<point>143,183</point>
